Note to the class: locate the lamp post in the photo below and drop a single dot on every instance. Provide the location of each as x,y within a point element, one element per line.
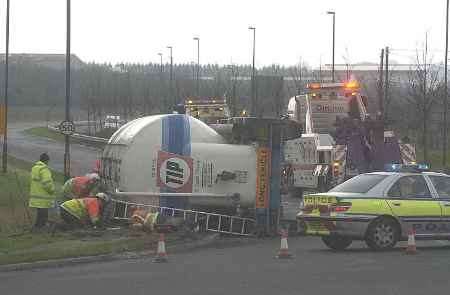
<point>334,31</point>
<point>444,146</point>
<point>67,117</point>
<point>5,110</point>
<point>198,65</point>
<point>253,97</point>
<point>172,100</point>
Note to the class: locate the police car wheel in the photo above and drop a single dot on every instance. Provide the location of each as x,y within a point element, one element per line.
<point>382,234</point>
<point>337,243</point>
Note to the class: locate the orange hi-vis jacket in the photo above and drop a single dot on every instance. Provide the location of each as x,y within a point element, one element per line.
<point>85,209</point>
<point>77,187</point>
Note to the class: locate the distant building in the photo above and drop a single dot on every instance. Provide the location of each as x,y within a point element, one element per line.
<point>53,61</point>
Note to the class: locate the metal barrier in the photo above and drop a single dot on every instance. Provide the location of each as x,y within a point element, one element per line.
<point>82,136</point>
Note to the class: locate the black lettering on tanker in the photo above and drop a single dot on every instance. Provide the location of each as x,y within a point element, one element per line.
<point>262,178</point>
<point>174,173</point>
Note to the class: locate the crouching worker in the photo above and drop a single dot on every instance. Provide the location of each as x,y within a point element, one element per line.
<point>150,221</point>
<point>142,219</point>
<point>81,186</point>
<point>83,212</point>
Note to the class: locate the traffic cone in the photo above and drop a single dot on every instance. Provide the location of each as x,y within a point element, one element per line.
<point>161,255</point>
<point>284,251</point>
<point>411,248</point>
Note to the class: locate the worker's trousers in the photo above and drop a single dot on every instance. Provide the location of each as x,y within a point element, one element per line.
<point>41,217</point>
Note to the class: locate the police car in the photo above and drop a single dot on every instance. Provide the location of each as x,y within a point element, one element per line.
<point>381,208</point>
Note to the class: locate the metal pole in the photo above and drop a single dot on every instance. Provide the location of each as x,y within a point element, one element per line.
<point>380,85</point>
<point>172,100</point>
<point>444,147</point>
<point>386,85</point>
<point>5,135</point>
<point>333,46</point>
<point>198,65</point>
<point>67,137</point>
<point>254,106</point>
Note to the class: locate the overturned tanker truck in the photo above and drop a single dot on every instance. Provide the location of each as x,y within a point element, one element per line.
<point>180,166</point>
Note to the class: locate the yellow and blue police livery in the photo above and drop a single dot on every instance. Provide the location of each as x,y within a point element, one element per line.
<point>381,208</point>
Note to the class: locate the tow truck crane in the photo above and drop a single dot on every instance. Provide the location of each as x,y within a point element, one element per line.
<point>340,140</point>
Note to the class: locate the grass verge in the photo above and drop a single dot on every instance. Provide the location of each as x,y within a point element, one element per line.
<point>15,216</point>
<point>45,132</point>
<point>30,247</point>
<point>18,244</point>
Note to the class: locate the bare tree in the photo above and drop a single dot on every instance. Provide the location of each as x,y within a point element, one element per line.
<point>424,90</point>
<point>298,74</point>
<point>233,83</point>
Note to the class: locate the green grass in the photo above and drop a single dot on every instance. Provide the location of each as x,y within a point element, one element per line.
<point>18,244</point>
<point>15,216</point>
<point>45,132</point>
<point>37,247</point>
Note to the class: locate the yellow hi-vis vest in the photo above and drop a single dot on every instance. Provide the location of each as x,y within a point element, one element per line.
<point>42,188</point>
<point>150,220</point>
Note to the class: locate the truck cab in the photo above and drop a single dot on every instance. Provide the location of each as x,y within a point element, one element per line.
<point>210,111</point>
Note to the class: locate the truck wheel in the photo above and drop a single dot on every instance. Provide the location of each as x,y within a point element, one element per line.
<point>337,243</point>
<point>382,234</point>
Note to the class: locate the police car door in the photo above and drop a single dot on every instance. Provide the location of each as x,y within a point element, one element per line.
<point>411,200</point>
<point>441,185</point>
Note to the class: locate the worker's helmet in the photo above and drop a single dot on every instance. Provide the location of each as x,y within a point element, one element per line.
<point>103,196</point>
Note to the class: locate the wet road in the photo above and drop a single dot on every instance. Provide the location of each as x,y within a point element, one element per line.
<point>251,269</point>
<point>28,147</point>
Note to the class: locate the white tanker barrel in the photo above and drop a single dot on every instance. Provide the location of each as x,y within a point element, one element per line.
<point>177,154</point>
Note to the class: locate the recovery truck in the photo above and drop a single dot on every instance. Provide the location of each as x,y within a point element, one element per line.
<point>210,111</point>
<point>340,139</point>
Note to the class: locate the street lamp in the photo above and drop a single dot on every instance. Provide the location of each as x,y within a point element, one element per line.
<point>444,146</point>
<point>67,136</point>
<point>253,99</point>
<point>198,65</point>
<point>5,110</point>
<point>334,30</point>
<point>171,76</point>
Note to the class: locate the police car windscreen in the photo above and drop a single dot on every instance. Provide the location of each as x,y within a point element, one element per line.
<point>359,184</point>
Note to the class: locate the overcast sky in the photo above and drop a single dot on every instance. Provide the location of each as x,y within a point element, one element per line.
<point>286,30</point>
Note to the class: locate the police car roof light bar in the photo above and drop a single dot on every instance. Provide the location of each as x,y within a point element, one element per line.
<point>406,167</point>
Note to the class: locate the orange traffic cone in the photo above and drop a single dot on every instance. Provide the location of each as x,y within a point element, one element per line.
<point>411,248</point>
<point>284,251</point>
<point>161,255</point>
